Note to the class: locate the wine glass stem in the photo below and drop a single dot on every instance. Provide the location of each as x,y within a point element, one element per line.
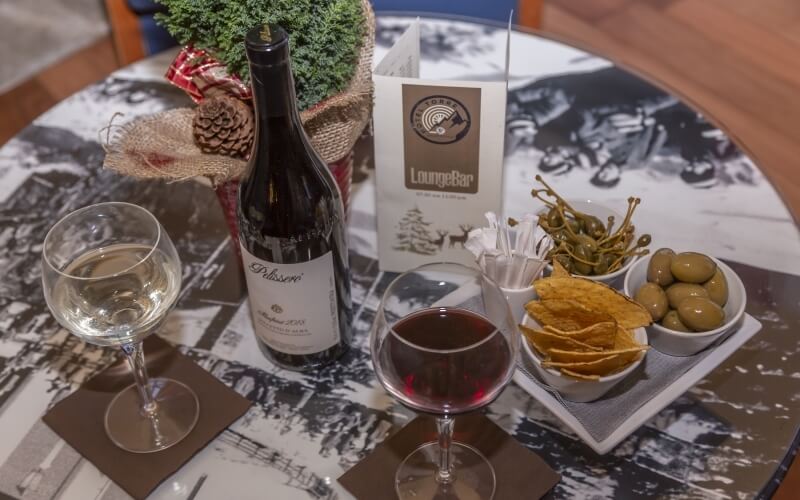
<point>444,426</point>
<point>135,355</point>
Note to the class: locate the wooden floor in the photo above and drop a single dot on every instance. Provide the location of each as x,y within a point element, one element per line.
<point>737,60</point>
<point>33,97</point>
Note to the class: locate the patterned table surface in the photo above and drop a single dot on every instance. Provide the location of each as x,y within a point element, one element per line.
<point>596,132</point>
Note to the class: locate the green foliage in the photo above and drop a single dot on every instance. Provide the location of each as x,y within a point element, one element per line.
<point>325,36</point>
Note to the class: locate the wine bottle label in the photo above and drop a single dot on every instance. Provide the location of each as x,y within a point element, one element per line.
<point>293,305</point>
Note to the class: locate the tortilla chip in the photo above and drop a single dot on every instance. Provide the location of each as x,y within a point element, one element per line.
<point>566,315</point>
<point>564,356</point>
<point>604,366</point>
<point>625,339</point>
<point>579,376</point>
<point>558,270</point>
<point>543,341</point>
<point>601,335</point>
<point>596,296</point>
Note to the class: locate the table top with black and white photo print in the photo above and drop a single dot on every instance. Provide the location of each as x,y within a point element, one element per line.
<point>593,130</point>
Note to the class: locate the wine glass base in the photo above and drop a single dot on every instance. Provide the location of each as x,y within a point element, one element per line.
<point>473,475</point>
<point>130,428</point>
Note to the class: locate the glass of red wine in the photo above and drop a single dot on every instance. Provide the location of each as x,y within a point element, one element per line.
<point>444,343</point>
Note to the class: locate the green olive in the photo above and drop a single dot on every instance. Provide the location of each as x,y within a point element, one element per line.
<point>593,226</point>
<point>554,218</point>
<point>700,314</point>
<point>653,298</point>
<point>678,292</point>
<point>717,288</point>
<point>658,268</point>
<point>672,321</point>
<point>692,267</point>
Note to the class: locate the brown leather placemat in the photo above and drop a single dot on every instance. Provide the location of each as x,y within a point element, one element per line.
<point>520,472</point>
<point>79,418</point>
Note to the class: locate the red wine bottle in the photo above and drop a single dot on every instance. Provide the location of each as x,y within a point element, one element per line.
<point>291,223</point>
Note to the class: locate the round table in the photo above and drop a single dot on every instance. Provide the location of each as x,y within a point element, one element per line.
<point>595,130</point>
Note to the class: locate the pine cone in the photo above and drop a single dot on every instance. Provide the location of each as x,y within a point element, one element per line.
<point>224,125</point>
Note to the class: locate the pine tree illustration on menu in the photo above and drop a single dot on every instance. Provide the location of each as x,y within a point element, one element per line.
<point>413,234</point>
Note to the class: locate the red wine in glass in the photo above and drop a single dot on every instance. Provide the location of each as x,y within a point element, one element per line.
<point>445,360</point>
<point>444,342</point>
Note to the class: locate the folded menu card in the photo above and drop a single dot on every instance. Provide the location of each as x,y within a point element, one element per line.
<point>520,473</point>
<point>438,156</point>
<point>78,418</point>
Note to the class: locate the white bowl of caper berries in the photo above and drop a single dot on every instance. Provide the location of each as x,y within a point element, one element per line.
<point>612,252</point>
<point>695,300</point>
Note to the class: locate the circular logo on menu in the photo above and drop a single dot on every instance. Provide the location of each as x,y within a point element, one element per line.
<point>440,119</point>
<point>276,309</point>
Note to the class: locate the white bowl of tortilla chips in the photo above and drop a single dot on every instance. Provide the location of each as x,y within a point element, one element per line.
<point>582,336</point>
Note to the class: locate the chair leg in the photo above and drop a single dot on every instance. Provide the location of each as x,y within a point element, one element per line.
<point>128,43</point>
<point>530,13</point>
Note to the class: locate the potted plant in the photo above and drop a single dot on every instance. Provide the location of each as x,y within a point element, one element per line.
<point>331,43</point>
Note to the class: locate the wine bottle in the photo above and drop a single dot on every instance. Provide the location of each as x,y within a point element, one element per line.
<point>291,223</point>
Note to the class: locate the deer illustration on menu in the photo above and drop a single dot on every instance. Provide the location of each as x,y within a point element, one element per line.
<point>462,238</point>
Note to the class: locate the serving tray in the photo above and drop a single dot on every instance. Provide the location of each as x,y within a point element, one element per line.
<point>654,403</point>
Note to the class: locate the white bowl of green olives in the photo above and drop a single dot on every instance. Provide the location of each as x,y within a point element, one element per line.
<point>694,299</point>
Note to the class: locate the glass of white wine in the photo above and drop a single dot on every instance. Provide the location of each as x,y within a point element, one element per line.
<point>110,275</point>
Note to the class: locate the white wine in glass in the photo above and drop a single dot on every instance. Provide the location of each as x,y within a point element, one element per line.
<point>116,295</point>
<point>110,275</point>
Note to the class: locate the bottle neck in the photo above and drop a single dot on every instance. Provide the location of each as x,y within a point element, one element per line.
<point>274,98</point>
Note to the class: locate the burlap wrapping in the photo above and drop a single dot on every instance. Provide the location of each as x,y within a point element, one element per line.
<point>162,146</point>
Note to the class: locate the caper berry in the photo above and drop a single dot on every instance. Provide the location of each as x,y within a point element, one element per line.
<point>554,218</point>
<point>584,244</point>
